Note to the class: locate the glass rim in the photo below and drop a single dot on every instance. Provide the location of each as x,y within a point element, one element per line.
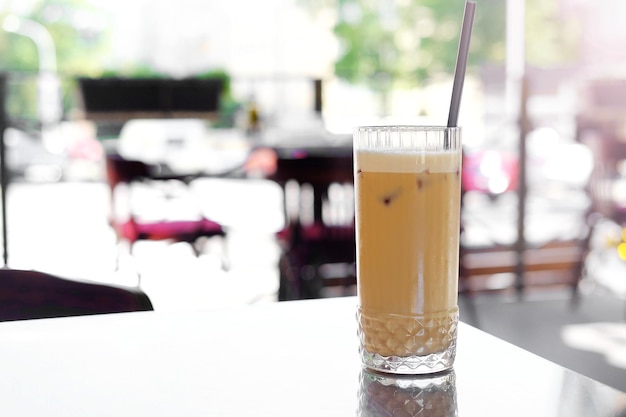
<point>391,128</point>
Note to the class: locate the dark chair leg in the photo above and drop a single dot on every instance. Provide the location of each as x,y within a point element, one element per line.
<point>592,219</point>
<point>288,288</point>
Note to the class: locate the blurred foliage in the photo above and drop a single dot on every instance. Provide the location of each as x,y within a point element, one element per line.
<point>133,71</point>
<point>551,39</point>
<point>409,42</point>
<point>78,30</point>
<point>229,106</point>
<point>21,103</point>
<point>78,33</point>
<point>220,74</point>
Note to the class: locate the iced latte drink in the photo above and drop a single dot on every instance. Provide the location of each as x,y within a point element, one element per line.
<point>407,183</point>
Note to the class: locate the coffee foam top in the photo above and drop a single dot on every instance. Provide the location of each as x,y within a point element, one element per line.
<point>408,162</point>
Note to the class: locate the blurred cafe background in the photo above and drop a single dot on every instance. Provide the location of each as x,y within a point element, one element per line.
<point>200,150</point>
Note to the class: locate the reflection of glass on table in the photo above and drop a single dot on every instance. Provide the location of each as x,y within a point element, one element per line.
<point>383,395</point>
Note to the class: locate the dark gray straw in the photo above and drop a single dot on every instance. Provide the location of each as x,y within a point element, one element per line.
<point>461,63</point>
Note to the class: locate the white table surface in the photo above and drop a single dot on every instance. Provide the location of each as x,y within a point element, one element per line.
<point>282,359</point>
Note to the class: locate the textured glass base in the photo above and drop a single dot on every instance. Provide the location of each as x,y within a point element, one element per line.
<point>385,395</point>
<point>400,344</point>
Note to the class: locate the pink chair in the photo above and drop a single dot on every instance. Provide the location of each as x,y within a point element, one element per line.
<point>131,226</point>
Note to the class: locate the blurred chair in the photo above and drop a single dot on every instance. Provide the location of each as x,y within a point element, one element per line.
<point>146,205</point>
<point>318,240</point>
<point>555,261</point>
<point>32,295</point>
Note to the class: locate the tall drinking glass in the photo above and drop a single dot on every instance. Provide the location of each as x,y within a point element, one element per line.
<point>408,184</point>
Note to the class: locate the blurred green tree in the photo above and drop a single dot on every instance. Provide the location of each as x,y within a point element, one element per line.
<point>552,39</point>
<point>79,35</point>
<point>405,43</point>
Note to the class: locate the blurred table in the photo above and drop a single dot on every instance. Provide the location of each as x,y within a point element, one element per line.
<point>183,146</point>
<point>280,359</point>
<point>191,147</point>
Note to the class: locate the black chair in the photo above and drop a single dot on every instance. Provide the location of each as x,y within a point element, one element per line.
<point>33,295</point>
<point>318,240</point>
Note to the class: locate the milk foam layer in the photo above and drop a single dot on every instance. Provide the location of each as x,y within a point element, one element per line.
<point>405,162</point>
